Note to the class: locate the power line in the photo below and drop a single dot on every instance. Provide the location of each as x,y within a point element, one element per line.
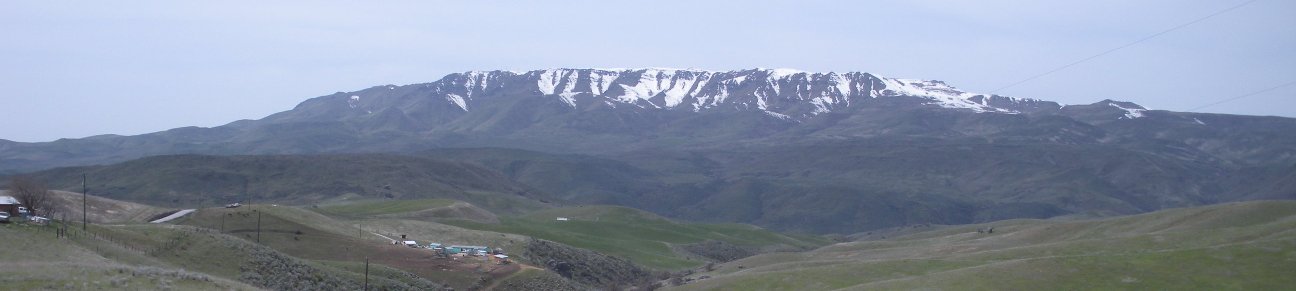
<point>1242,96</point>
<point>1123,46</point>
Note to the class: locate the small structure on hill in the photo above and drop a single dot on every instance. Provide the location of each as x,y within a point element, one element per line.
<point>471,250</point>
<point>563,219</point>
<point>410,243</point>
<point>10,205</point>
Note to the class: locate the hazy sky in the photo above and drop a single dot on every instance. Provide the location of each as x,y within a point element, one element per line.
<point>76,69</point>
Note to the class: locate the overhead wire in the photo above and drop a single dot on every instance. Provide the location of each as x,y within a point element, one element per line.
<point>1293,82</point>
<point>1177,27</point>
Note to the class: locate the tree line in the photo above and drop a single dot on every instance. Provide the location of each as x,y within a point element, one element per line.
<point>33,195</point>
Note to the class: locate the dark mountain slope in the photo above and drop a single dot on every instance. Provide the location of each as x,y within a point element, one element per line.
<point>872,184</point>
<point>856,185</point>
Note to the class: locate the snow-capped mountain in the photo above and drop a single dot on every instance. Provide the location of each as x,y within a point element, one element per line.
<point>777,147</point>
<point>615,110</point>
<point>783,93</point>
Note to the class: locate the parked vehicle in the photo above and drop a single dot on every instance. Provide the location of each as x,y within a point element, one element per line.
<point>4,217</point>
<point>38,220</point>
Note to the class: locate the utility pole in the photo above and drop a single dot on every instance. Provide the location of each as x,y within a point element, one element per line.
<point>366,285</point>
<point>84,190</point>
<point>258,226</point>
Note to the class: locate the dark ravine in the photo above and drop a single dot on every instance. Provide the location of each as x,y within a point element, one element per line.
<point>795,151</point>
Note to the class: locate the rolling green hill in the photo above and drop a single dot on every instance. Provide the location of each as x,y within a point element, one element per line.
<point>384,207</point>
<point>338,243</point>
<point>834,186</point>
<point>642,237</point>
<point>1237,246</point>
<point>194,180</point>
<point>163,256</point>
<point>853,185</point>
<point>1246,245</point>
<point>416,209</point>
<point>280,247</point>
<point>34,259</point>
<point>102,210</point>
<point>579,178</point>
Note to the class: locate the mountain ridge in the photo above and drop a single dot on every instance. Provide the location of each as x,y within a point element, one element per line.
<point>427,115</point>
<point>874,157</point>
<point>697,90</point>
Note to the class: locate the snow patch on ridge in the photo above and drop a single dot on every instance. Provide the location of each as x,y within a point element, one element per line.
<point>671,83</point>
<point>457,100</point>
<point>680,87</point>
<point>475,82</point>
<point>548,81</point>
<point>777,115</point>
<point>940,93</point>
<point>1130,113</point>
<point>787,91</point>
<point>781,73</point>
<point>568,98</point>
<point>601,81</point>
<point>842,84</point>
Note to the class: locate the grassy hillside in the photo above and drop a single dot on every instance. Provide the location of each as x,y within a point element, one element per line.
<point>381,207</point>
<point>103,210</point>
<point>261,245</point>
<point>295,231</point>
<point>35,259</point>
<point>823,186</point>
<point>346,241</point>
<point>161,257</point>
<point>642,237</point>
<point>416,209</point>
<point>1247,246</point>
<point>583,178</point>
<point>100,209</point>
<point>195,181</point>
